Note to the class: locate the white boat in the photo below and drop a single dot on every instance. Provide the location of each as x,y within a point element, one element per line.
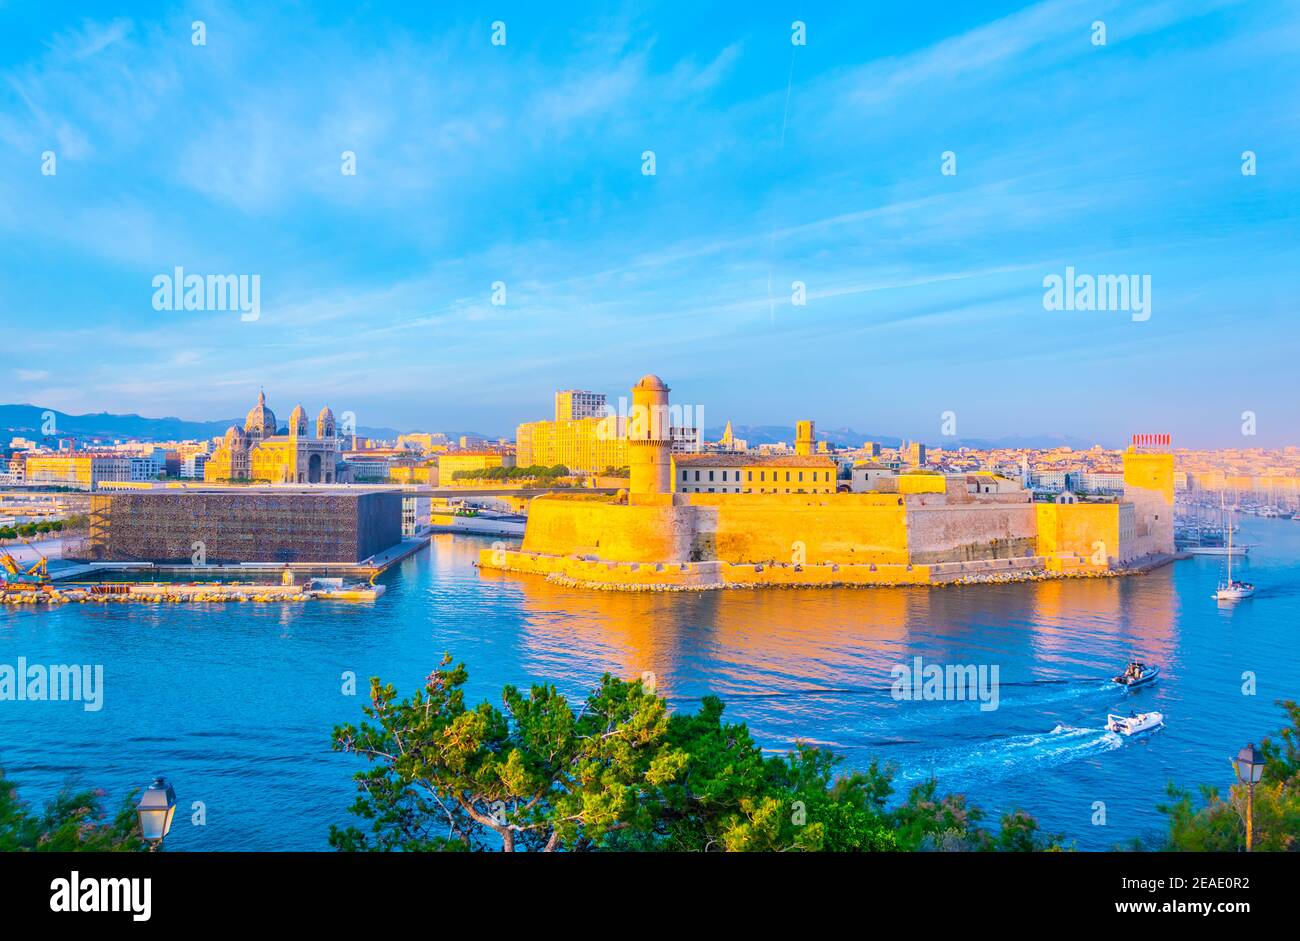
<point>1233,591</point>
<point>1216,550</point>
<point>1230,590</point>
<point>1132,725</point>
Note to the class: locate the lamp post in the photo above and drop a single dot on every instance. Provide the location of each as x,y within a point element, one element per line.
<point>155,809</point>
<point>1250,768</point>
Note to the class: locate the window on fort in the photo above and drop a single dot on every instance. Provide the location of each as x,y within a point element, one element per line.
<point>749,475</point>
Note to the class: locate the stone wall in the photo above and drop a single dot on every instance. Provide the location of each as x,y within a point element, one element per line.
<point>842,528</point>
<point>1077,528</point>
<point>654,532</point>
<point>971,531</point>
<point>659,533</point>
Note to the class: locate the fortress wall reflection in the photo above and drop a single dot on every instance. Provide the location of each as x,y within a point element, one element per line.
<point>817,638</point>
<point>1140,611</point>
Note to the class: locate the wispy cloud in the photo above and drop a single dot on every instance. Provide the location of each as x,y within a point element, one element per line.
<point>522,164</point>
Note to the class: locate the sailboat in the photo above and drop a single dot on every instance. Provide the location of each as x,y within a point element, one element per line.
<point>1230,590</point>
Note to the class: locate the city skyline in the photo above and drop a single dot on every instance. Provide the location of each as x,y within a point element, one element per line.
<point>523,164</point>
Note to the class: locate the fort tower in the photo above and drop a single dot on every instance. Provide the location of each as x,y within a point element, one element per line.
<point>649,445</point>
<point>1149,486</point>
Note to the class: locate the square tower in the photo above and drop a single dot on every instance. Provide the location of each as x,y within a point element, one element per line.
<point>1149,486</point>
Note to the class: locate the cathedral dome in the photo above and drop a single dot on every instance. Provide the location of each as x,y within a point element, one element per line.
<point>260,422</point>
<point>234,438</point>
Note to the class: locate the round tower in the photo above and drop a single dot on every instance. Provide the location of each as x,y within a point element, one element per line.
<point>649,440</point>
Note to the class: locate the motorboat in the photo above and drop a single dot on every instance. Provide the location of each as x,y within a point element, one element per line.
<point>1133,724</point>
<point>1138,674</point>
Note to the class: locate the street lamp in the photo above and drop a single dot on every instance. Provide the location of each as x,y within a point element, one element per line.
<point>157,804</point>
<point>1250,768</point>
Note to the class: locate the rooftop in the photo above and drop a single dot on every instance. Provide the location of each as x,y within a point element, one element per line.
<point>723,459</point>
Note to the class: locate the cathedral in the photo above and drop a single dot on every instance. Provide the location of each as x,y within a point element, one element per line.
<point>262,452</point>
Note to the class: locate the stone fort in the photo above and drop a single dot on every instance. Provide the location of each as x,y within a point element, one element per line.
<point>922,529</point>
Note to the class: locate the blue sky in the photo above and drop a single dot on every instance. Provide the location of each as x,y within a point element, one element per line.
<point>774,163</point>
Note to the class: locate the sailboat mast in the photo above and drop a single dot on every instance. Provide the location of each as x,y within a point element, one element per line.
<point>1230,551</point>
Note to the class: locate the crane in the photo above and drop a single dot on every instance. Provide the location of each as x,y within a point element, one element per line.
<point>14,574</point>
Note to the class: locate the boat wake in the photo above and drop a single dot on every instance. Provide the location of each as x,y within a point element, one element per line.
<point>957,766</point>
<point>916,715</point>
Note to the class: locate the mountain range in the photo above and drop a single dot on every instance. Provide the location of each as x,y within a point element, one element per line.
<point>29,420</point>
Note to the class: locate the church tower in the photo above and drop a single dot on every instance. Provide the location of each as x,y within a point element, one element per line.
<point>325,424</point>
<point>649,440</point>
<point>298,422</point>
<point>803,442</point>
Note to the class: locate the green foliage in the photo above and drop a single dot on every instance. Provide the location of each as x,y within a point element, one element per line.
<point>535,774</point>
<point>621,773</point>
<point>71,822</point>
<point>533,472</point>
<point>1218,825</point>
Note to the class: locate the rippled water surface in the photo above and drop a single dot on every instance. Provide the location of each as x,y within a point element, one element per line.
<point>235,703</point>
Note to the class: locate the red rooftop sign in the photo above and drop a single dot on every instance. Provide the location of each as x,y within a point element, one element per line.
<point>1152,441</point>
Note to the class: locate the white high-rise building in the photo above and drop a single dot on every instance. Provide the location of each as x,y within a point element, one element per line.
<point>572,404</point>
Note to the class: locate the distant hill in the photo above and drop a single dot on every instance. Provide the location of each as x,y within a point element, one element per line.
<point>27,421</point>
<point>848,438</point>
